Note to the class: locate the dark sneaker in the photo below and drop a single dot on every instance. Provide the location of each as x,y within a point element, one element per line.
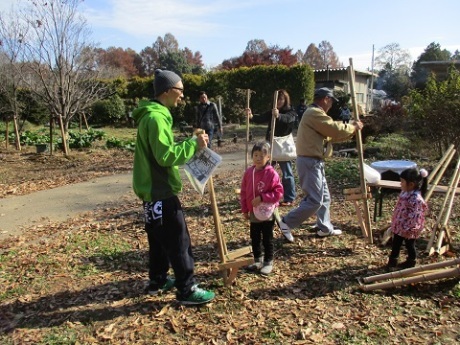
<point>198,296</point>
<point>407,264</point>
<point>334,232</point>
<point>154,288</point>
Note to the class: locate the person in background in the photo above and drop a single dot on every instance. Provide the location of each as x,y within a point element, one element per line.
<point>316,128</point>
<point>156,181</point>
<point>408,217</point>
<point>284,124</point>
<point>260,183</point>
<point>345,114</point>
<point>208,117</point>
<point>300,110</point>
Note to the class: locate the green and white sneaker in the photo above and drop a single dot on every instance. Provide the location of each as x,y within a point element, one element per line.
<point>154,288</point>
<point>198,296</point>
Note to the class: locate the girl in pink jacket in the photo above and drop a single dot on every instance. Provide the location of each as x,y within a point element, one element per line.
<point>408,216</point>
<point>261,184</point>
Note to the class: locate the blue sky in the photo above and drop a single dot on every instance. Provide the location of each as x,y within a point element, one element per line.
<point>221,29</point>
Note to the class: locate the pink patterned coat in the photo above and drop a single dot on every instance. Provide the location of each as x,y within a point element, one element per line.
<point>409,215</point>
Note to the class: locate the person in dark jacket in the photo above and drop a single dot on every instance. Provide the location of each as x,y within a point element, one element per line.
<point>286,118</point>
<point>208,117</point>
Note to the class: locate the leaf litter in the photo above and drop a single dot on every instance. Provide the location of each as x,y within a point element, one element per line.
<point>81,281</point>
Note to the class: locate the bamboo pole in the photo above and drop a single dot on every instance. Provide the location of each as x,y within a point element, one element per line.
<point>359,144</point>
<point>409,271</point>
<point>450,194</point>
<point>443,168</point>
<point>272,130</point>
<point>248,97</point>
<point>440,163</point>
<point>440,274</point>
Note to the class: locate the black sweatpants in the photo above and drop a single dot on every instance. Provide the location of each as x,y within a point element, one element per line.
<point>262,233</point>
<point>410,246</point>
<point>169,243</point>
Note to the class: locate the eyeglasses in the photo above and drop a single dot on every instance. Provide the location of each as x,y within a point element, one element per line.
<point>178,89</point>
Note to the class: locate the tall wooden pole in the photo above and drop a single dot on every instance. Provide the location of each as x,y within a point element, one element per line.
<point>7,134</point>
<point>248,97</point>
<point>16,132</point>
<point>359,146</point>
<point>272,128</point>
<point>64,141</point>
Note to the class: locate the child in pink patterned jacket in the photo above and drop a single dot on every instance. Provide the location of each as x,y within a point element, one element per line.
<point>261,184</point>
<point>408,216</point>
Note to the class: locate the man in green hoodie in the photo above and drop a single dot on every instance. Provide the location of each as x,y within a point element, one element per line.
<point>156,181</point>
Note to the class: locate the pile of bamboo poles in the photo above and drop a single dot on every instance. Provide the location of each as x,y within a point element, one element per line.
<point>439,270</point>
<point>440,231</point>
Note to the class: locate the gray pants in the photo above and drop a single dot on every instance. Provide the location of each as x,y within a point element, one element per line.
<point>317,198</point>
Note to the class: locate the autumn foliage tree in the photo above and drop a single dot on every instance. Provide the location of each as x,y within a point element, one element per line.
<point>273,55</point>
<point>321,57</point>
<point>122,61</point>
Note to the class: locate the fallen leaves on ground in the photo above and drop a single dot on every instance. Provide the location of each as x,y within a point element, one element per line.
<point>82,281</point>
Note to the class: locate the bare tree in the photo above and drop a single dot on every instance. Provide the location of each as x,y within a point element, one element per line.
<point>63,68</point>
<point>12,33</point>
<point>392,58</point>
<point>256,46</point>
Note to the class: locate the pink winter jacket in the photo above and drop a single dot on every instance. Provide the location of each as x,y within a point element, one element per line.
<point>268,186</point>
<point>409,215</point>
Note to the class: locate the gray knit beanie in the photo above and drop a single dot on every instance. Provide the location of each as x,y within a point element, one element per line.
<point>164,80</point>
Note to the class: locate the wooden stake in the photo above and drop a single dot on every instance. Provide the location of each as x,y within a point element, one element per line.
<point>64,141</point>
<point>272,131</point>
<point>7,124</point>
<point>248,97</point>
<point>16,133</point>
<point>366,224</point>
<point>230,261</point>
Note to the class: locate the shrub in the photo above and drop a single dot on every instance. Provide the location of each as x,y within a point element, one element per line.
<point>116,143</point>
<point>85,139</point>
<point>108,111</point>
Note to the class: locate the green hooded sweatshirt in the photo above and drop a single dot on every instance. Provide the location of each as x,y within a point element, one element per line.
<point>157,156</point>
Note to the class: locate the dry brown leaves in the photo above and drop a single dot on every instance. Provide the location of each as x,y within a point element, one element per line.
<point>82,281</point>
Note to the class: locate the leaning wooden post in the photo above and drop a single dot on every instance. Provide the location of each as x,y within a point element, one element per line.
<point>451,196</point>
<point>272,128</point>
<point>442,166</point>
<point>248,96</point>
<point>441,220</point>
<point>359,146</point>
<point>16,132</point>
<point>7,124</point>
<point>440,163</point>
<point>64,141</point>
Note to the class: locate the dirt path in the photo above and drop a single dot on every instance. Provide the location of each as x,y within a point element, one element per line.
<point>17,213</point>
